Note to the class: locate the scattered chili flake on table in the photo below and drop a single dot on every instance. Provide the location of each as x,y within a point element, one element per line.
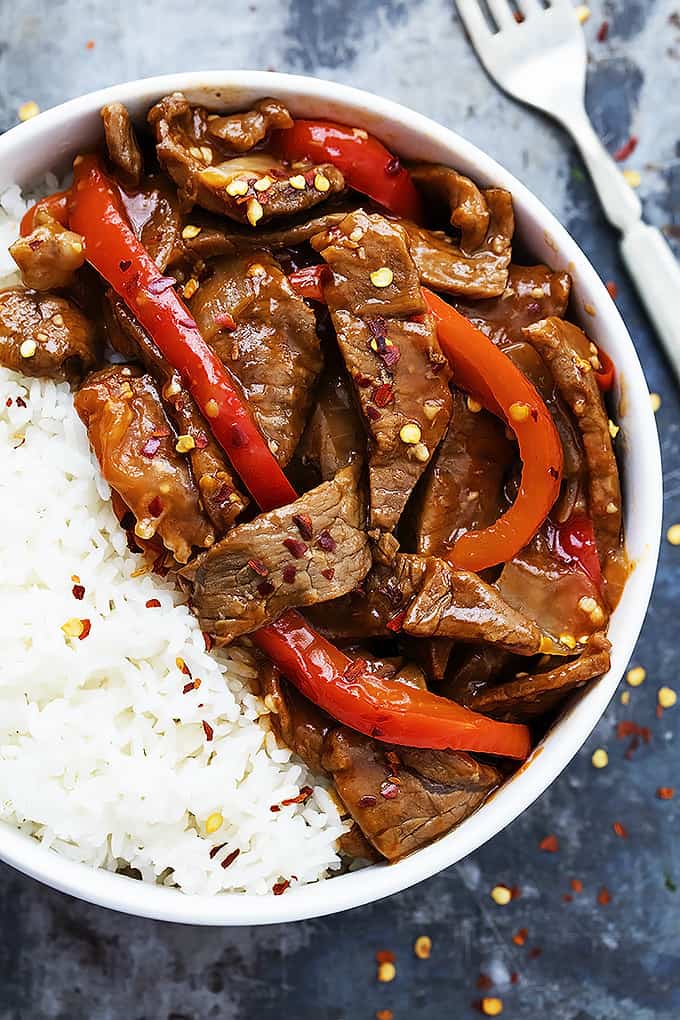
<point>384,956</point>
<point>89,45</point>
<point>484,982</point>
<point>665,792</point>
<point>384,1014</point>
<point>576,884</point>
<point>567,897</point>
<point>550,844</point>
<point>620,830</point>
<point>604,896</point>
<point>603,32</point>
<point>535,952</point>
<point>520,937</point>
<point>627,149</point>
<point>612,289</point>
<point>627,728</point>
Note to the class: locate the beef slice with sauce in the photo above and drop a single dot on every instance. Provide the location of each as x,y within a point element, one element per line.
<point>50,255</point>
<point>218,236</point>
<point>571,356</point>
<point>121,143</point>
<point>334,436</point>
<point>404,798</point>
<point>265,335</point>
<point>135,446</point>
<point>220,494</point>
<point>310,551</point>
<point>203,165</point>
<point>399,372</point>
<point>464,490</point>
<point>42,334</point>
<point>527,696</point>
<point>475,262</point>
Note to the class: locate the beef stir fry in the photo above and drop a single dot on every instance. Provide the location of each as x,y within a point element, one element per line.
<point>368,443</point>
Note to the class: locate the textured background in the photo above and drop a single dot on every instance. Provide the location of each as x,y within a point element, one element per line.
<point>64,959</point>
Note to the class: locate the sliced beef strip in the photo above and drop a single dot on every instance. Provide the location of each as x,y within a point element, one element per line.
<point>458,604</point>
<point>552,592</point>
<point>49,256</point>
<point>310,551</point>
<point>121,143</point>
<point>456,198</point>
<point>135,445</point>
<point>221,496</point>
<point>220,237</point>
<point>153,210</point>
<point>435,790</point>
<point>398,369</point>
<point>265,335</point>
<point>532,293</point>
<point>528,696</point>
<point>445,266</point>
<point>474,668</point>
<point>464,490</point>
<point>240,132</point>
<point>64,338</point>
<point>334,436</point>
<point>431,654</point>
<point>205,171</point>
<point>297,722</point>
<point>569,354</point>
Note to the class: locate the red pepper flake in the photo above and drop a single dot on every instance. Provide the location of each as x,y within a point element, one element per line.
<point>368,800</point>
<point>484,982</point>
<point>275,808</point>
<point>626,150</point>
<point>384,1014</point>
<point>567,897</point>
<point>391,356</point>
<point>156,506</point>
<point>520,937</point>
<point>550,844</point>
<point>515,892</point>
<point>518,16</point>
<point>89,45</point>
<point>295,547</point>
<point>627,728</point>
<point>328,573</point>
<point>230,858</point>
<point>603,32</point>
<point>201,440</point>
<point>280,887</point>
<point>659,711</point>
<point>182,666</point>
<point>372,413</point>
<point>265,588</point>
<point>208,641</point>
<point>389,790</point>
<point>363,380</point>
<point>393,166</point>
<point>612,289</point>
<point>259,567</point>
<point>397,622</point>
<point>665,792</point>
<point>354,668</point>
<point>604,896</point>
<point>78,592</point>
<point>620,830</point>
<point>514,977</point>
<point>534,953</point>
<point>238,437</point>
<point>208,730</point>
<point>151,447</point>
<point>289,573</point>
<point>303,522</point>
<point>326,542</point>
<point>216,849</point>
<point>87,627</point>
<point>20,402</point>
<point>8,402</point>
<point>383,395</point>
<point>189,687</point>
<point>576,885</point>
<point>385,956</point>
<point>225,321</point>
<point>153,604</point>
<point>124,265</point>
<point>304,794</point>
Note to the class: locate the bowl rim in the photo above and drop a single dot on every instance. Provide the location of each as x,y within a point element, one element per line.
<point>565,739</point>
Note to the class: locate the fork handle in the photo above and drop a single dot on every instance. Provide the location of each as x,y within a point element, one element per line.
<point>646,252</point>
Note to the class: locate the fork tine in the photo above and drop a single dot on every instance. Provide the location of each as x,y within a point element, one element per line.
<point>472,17</point>
<point>502,13</point>
<point>529,7</point>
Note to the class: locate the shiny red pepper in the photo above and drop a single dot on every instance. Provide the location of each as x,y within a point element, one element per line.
<point>56,205</point>
<point>487,374</point>
<point>308,282</point>
<point>114,251</point>
<point>573,542</point>
<point>378,707</point>
<point>366,164</point>
<point>606,374</point>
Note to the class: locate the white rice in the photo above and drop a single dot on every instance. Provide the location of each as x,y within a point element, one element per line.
<point>102,757</point>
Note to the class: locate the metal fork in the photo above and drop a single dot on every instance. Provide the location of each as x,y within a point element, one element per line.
<point>540,59</point>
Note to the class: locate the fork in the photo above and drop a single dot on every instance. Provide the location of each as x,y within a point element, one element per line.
<point>539,57</point>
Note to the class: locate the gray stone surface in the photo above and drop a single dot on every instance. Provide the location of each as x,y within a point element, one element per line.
<point>63,959</point>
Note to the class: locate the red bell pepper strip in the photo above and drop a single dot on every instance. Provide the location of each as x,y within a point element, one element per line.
<point>484,371</point>
<point>56,205</point>
<point>308,282</point>
<point>573,542</point>
<point>384,709</point>
<point>114,251</point>
<point>605,375</point>
<point>378,707</point>
<point>366,164</point>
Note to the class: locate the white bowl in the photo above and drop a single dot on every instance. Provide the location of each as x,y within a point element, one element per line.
<point>49,142</point>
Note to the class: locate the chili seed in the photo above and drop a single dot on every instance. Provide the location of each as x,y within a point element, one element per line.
<point>422,947</point>
<point>382,277</point>
<point>410,433</point>
<point>214,822</point>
